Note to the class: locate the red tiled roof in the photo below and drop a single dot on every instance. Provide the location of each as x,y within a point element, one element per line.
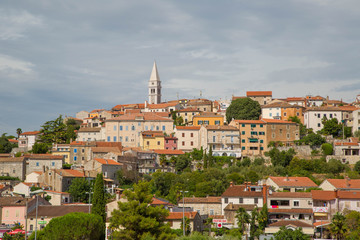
<point>249,121</point>
<point>323,195</point>
<point>189,110</point>
<point>238,191</point>
<point>77,143</point>
<point>295,99</point>
<point>13,140</point>
<point>315,98</point>
<point>346,144</point>
<point>107,161</point>
<point>295,223</point>
<point>161,105</point>
<point>293,181</point>
<point>344,183</point>
<point>179,215</point>
<point>152,133</point>
<point>188,127</point>
<point>158,201</point>
<point>323,108</point>
<point>348,108</point>
<point>30,133</point>
<point>148,116</point>
<point>349,194</point>
<point>221,127</point>
<point>290,195</point>
<point>258,93</point>
<point>201,200</point>
<point>43,156</point>
<point>321,223</point>
<point>168,151</point>
<point>276,121</point>
<point>105,149</point>
<point>291,210</point>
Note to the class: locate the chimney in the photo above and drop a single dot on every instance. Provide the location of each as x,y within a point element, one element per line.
<point>287,178</point>
<point>347,182</point>
<point>231,184</point>
<point>264,193</point>
<point>246,187</point>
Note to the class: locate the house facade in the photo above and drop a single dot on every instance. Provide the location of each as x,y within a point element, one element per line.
<point>314,116</point>
<point>91,134</point>
<point>262,97</point>
<point>188,137</point>
<point>290,184</point>
<point>43,162</point>
<point>13,167</point>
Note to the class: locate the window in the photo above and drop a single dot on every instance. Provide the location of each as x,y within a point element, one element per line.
<point>114,128</point>
<point>270,114</point>
<point>158,143</point>
<point>243,140</point>
<point>82,150</point>
<point>183,134</point>
<point>242,148</point>
<point>37,164</point>
<point>232,139</point>
<point>108,138</point>
<point>31,227</point>
<point>214,146</point>
<point>75,150</point>
<point>147,143</point>
<point>114,139</point>
<point>214,138</point>
<point>211,212</point>
<point>126,128</point>
<point>146,128</point>
<point>243,133</point>
<point>191,134</point>
<point>83,158</point>
<point>261,141</point>
<point>273,135</point>
<point>318,115</point>
<point>261,133</point>
<point>53,164</point>
<point>75,158</point>
<point>157,128</point>
<point>296,203</point>
<point>126,139</point>
<point>242,125</point>
<point>133,128</point>
<point>163,128</point>
<point>331,115</point>
<point>206,122</point>
<point>319,125</point>
<point>200,122</point>
<point>253,148</point>
<point>256,200</point>
<point>241,200</point>
<point>120,139</point>
<point>253,125</point>
<point>183,143</point>
<point>261,148</point>
<point>217,122</point>
<point>226,200</point>
<point>284,114</point>
<point>192,143</point>
<point>254,133</point>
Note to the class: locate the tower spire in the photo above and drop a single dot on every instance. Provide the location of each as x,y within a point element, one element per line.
<point>154,86</point>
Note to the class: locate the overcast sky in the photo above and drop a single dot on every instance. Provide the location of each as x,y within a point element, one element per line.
<point>61,57</point>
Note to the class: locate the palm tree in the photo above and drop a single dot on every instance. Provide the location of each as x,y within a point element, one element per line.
<point>338,226</point>
<point>18,132</point>
<point>163,161</point>
<point>243,219</point>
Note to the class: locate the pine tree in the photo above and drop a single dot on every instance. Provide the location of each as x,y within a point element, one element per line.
<point>98,201</point>
<point>206,160</point>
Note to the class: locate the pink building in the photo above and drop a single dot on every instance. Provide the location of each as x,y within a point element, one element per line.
<point>171,143</point>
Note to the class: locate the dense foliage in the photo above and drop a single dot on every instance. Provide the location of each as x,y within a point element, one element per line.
<point>289,234</point>
<point>75,226</point>
<point>79,190</point>
<point>5,145</point>
<point>137,219</point>
<point>243,109</point>
<point>99,201</point>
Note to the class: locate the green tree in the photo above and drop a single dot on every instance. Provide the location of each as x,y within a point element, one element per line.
<point>335,166</point>
<point>353,223</point>
<point>163,161</point>
<point>313,140</point>
<point>56,131</point>
<point>18,132</point>
<point>282,158</point>
<point>327,148</point>
<point>5,145</point>
<point>338,227</point>
<point>98,201</point>
<point>78,189</point>
<point>243,109</point>
<point>252,176</point>
<point>75,226</point>
<point>332,127</point>
<point>210,157</point>
<point>357,167</point>
<point>187,226</point>
<point>205,160</point>
<point>40,148</point>
<point>243,219</point>
<point>197,154</point>
<point>302,127</point>
<point>137,219</point>
<point>357,133</point>
<point>182,162</point>
<point>254,229</point>
<point>288,234</point>
<point>263,217</point>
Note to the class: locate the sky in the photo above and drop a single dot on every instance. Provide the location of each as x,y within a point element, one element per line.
<point>62,57</point>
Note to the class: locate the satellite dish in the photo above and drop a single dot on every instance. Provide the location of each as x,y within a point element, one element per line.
<point>270,191</point>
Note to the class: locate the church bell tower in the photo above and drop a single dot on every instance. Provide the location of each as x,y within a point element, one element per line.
<point>154,86</point>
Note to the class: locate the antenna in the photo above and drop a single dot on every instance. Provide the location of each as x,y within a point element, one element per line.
<point>200,94</point>
<point>177,95</point>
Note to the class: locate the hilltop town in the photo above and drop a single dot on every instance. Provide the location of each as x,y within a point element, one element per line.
<point>296,160</point>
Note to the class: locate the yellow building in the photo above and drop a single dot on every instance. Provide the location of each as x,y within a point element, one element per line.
<point>62,150</point>
<point>208,119</point>
<point>152,140</point>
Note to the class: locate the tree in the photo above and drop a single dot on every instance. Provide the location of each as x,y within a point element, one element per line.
<point>18,132</point>
<point>284,234</point>
<point>78,189</point>
<point>205,160</point>
<point>5,145</point>
<point>56,131</point>
<point>243,219</point>
<point>353,223</point>
<point>98,201</point>
<point>163,160</point>
<point>338,227</point>
<point>357,167</point>
<point>332,127</point>
<point>40,148</point>
<point>254,230</point>
<point>297,120</point>
<point>182,162</point>
<point>75,225</point>
<point>282,158</point>
<point>243,109</point>
<point>136,218</point>
<point>187,226</point>
<point>263,217</point>
<point>210,158</point>
<point>327,148</point>
<point>357,133</point>
<point>335,166</point>
<point>313,139</point>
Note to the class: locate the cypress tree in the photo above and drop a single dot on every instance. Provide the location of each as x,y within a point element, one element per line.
<point>206,161</point>
<point>98,201</point>
<point>211,159</point>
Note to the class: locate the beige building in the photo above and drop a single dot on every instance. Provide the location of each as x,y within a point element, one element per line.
<point>107,167</point>
<point>62,150</point>
<point>175,219</point>
<point>291,184</point>
<point>188,137</point>
<point>91,134</point>
<point>203,205</point>
<point>262,97</point>
<point>224,140</point>
<point>200,104</point>
<point>127,128</point>
<point>13,167</point>
<point>43,162</point>
<point>256,135</point>
<point>187,114</point>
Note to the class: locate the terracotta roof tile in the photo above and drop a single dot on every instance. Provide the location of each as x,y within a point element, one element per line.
<point>107,161</point>
<point>276,121</point>
<point>344,183</point>
<point>322,108</point>
<point>31,133</point>
<point>323,195</point>
<point>188,127</point>
<point>148,116</point>
<point>346,144</point>
<point>12,159</point>
<point>168,152</point>
<point>295,223</point>
<point>189,110</point>
<point>293,181</point>
<point>349,194</point>
<point>43,156</point>
<point>179,215</point>
<point>258,93</point>
<point>201,200</point>
<point>348,108</point>
<point>90,129</point>
<point>249,121</point>
<point>221,127</point>
<point>159,201</point>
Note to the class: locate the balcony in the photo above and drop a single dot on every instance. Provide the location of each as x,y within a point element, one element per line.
<point>320,209</point>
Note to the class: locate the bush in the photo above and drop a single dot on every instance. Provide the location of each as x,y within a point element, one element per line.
<point>357,166</point>
<point>327,148</point>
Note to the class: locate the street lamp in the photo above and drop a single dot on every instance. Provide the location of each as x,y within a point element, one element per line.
<point>89,200</point>
<point>36,192</point>
<point>183,192</point>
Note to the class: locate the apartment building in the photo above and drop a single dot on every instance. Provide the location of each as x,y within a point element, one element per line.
<point>314,116</point>
<point>208,119</point>
<point>187,114</point>
<point>188,137</point>
<point>282,110</point>
<point>255,135</point>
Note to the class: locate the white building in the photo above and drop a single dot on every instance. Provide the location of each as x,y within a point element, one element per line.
<point>356,121</point>
<point>313,116</point>
<point>154,86</point>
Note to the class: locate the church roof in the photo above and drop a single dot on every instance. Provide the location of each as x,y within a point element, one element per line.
<point>154,74</point>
